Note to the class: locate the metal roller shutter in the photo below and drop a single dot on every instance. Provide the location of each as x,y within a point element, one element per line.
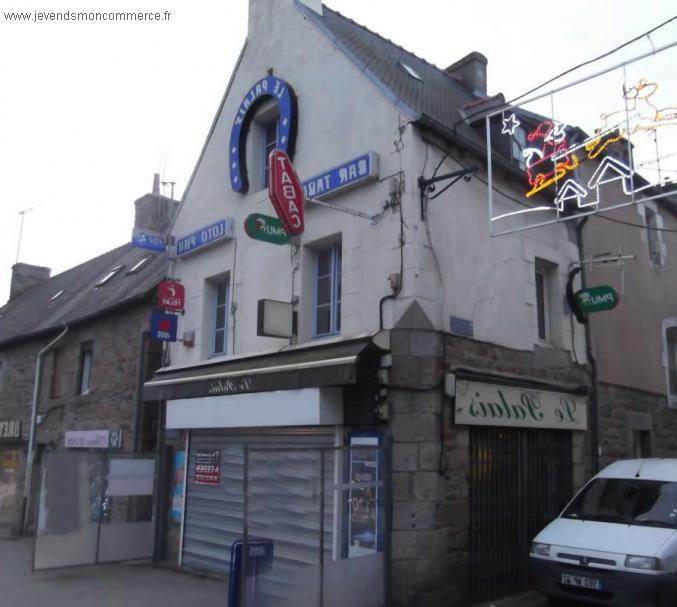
<point>214,514</point>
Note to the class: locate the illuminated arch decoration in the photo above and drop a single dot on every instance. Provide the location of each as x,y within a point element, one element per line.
<point>264,90</point>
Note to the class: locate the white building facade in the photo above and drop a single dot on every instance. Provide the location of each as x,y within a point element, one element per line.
<point>446,354</point>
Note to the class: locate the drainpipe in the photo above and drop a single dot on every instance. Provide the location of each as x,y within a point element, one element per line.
<point>594,379</point>
<point>31,439</point>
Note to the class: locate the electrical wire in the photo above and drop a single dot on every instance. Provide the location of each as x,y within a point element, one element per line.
<point>570,70</point>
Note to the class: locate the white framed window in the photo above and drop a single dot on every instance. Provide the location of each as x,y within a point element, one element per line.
<point>670,359</point>
<point>108,276</point>
<point>219,332</point>
<point>653,236</point>
<point>85,371</point>
<point>327,295</point>
<point>545,283</point>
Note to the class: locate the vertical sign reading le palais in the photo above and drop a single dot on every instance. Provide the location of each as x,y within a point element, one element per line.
<point>481,404</point>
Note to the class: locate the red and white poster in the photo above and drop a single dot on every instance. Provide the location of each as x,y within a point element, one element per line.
<point>207,467</point>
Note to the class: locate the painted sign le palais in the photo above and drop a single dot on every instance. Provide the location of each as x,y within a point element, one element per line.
<point>481,404</point>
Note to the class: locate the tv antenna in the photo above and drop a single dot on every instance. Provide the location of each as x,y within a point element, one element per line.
<point>21,229</point>
<point>171,184</point>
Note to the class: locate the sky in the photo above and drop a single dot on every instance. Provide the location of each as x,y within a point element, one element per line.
<point>89,111</point>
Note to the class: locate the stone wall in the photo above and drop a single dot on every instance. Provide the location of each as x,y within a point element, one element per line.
<point>109,405</point>
<point>624,411</point>
<point>430,457</point>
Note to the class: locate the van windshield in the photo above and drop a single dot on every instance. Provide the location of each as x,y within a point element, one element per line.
<point>626,501</point>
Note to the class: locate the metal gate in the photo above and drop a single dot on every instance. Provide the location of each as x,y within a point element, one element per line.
<point>215,505</point>
<point>520,479</point>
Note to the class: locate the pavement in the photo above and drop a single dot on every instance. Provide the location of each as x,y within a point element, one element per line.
<point>527,599</point>
<point>119,585</point>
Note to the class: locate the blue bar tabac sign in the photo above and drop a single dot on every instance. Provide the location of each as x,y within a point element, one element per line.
<point>343,177</point>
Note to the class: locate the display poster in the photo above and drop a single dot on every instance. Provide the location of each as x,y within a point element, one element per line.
<point>178,485</point>
<point>207,467</point>
<point>365,483</point>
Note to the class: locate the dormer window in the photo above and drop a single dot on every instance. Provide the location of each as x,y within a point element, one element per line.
<point>107,277</point>
<point>411,71</point>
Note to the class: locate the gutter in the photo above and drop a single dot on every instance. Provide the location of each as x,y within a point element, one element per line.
<point>31,440</point>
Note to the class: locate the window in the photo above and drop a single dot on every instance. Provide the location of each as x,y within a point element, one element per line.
<point>138,265</point>
<point>327,312</point>
<point>85,373</point>
<point>106,277</point>
<point>545,283</point>
<point>56,386</point>
<point>518,142</point>
<point>220,322</point>
<point>653,235</point>
<point>57,295</point>
<point>411,71</point>
<point>269,144</point>
<point>670,359</point>
<point>542,308</point>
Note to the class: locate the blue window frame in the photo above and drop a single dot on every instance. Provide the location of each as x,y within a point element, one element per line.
<point>327,305</point>
<point>269,144</point>
<point>219,338</point>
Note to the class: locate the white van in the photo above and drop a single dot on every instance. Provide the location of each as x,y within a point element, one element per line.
<point>616,541</point>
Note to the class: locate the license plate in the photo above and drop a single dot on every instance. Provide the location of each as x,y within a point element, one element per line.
<point>581,582</point>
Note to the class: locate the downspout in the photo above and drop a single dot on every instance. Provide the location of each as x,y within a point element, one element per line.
<point>31,438</point>
<point>138,400</point>
<point>594,379</point>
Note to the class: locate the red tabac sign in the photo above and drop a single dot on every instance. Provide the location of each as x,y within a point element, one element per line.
<point>170,296</point>
<point>286,192</point>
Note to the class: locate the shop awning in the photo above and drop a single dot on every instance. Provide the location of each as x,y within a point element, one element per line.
<point>330,363</point>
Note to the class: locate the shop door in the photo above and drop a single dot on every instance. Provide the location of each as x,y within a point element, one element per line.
<point>9,468</point>
<point>519,481</point>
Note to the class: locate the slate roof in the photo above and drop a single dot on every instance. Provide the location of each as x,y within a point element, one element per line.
<point>32,312</point>
<point>435,101</point>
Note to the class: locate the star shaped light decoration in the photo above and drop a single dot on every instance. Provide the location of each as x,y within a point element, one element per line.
<point>509,125</point>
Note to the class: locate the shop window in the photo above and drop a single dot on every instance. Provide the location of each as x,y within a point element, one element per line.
<point>670,359</point>
<point>641,443</point>
<point>327,299</point>
<point>219,333</point>
<point>85,368</point>
<point>56,389</point>
<point>653,236</point>
<point>364,518</point>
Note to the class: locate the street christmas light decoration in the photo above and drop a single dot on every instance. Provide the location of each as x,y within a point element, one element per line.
<point>632,162</point>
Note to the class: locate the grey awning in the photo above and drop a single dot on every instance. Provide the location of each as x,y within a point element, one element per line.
<point>335,363</point>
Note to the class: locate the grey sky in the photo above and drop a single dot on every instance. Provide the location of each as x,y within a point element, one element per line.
<point>89,111</point>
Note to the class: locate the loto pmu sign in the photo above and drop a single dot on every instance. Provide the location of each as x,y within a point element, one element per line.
<point>286,192</point>
<point>171,296</point>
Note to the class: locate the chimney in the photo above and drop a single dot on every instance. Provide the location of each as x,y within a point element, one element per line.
<point>156,183</point>
<point>25,276</point>
<point>154,213</point>
<point>472,72</point>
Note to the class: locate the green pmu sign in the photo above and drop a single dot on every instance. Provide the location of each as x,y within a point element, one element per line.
<point>265,228</point>
<point>596,299</point>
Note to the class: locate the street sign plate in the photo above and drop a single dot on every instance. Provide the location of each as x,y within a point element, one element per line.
<point>171,296</point>
<point>265,228</point>
<point>163,326</point>
<point>596,299</point>
<point>152,241</point>
<point>286,192</point>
